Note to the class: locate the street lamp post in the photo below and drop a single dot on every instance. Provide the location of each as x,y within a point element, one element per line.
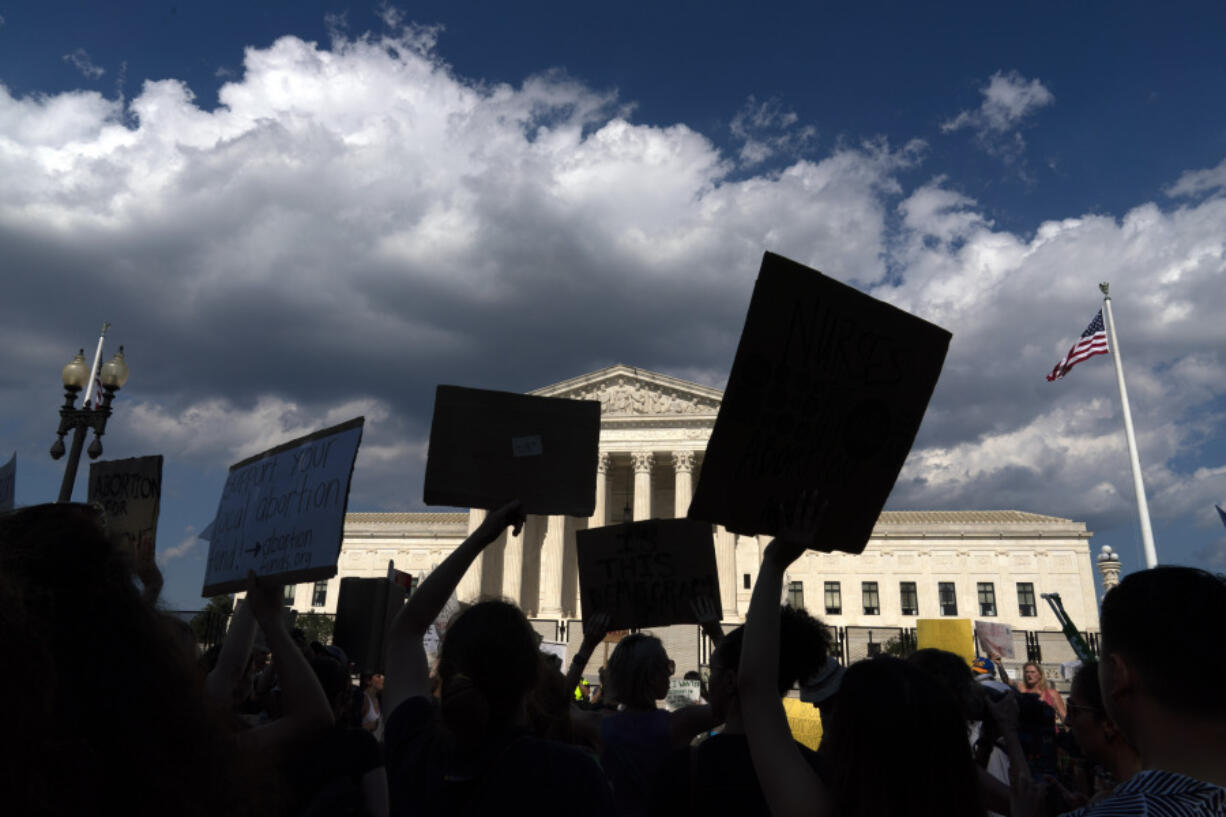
<point>112,376</point>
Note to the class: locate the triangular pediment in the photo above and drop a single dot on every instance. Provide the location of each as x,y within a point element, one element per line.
<point>628,391</point>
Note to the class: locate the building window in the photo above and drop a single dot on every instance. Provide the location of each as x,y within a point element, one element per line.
<point>287,596</point>
<point>834,599</point>
<point>909,598</point>
<point>320,596</point>
<point>987,599</point>
<point>796,595</point>
<point>872,601</point>
<point>948,598</point>
<point>746,581</point>
<point>1025,599</point>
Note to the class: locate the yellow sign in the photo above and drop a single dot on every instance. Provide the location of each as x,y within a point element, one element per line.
<point>805,722</point>
<point>949,634</point>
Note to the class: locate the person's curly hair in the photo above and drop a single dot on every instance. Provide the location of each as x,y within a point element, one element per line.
<point>804,644</point>
<point>116,719</point>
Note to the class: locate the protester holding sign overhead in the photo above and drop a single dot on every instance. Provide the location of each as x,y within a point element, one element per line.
<point>897,741</point>
<point>717,775</point>
<point>473,753</point>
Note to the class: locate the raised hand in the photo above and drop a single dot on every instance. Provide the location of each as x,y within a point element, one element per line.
<point>495,522</point>
<point>707,612</point>
<point>266,599</point>
<point>798,529</point>
<point>595,627</point>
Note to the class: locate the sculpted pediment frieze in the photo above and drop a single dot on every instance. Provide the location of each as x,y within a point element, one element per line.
<point>626,396</point>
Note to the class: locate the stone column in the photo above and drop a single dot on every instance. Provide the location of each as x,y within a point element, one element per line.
<point>643,461</point>
<point>1109,568</point>
<point>513,566</point>
<point>551,568</point>
<point>600,517</point>
<point>725,565</point>
<point>469,589</point>
<point>683,468</point>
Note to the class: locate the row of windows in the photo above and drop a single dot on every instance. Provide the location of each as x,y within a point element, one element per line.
<point>319,594</point>
<point>908,597</point>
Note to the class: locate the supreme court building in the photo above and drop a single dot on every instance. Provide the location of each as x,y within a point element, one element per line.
<point>979,564</point>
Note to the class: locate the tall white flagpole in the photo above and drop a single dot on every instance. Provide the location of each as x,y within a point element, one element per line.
<point>93,371</point>
<point>1147,533</point>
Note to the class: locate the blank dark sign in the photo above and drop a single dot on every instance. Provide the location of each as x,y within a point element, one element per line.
<point>826,393</point>
<point>645,574</point>
<point>489,447</point>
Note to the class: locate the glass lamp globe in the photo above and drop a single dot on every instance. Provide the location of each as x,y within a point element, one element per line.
<point>114,372</point>
<point>76,374</point>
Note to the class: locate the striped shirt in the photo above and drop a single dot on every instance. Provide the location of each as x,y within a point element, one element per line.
<point>1152,793</point>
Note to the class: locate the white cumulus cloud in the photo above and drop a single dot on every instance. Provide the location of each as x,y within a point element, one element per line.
<point>80,60</point>
<point>1008,100</point>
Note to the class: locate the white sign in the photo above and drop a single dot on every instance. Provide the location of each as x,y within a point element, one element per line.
<point>557,648</point>
<point>682,693</point>
<point>282,512</point>
<point>8,483</point>
<point>995,638</point>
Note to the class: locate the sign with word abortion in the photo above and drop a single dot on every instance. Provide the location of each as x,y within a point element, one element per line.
<point>282,512</point>
<point>949,634</point>
<point>825,395</point>
<point>489,447</point>
<point>645,574</point>
<point>129,492</point>
<point>682,693</point>
<point>995,638</point>
<point>8,483</point>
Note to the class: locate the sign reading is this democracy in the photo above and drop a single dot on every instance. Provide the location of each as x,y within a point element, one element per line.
<point>282,512</point>
<point>129,492</point>
<point>826,394</point>
<point>489,447</point>
<point>645,574</point>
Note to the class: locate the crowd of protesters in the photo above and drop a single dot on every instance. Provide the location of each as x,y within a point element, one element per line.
<point>111,708</point>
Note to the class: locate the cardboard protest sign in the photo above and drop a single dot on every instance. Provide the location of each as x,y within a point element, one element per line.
<point>489,447</point>
<point>949,634</point>
<point>681,693</point>
<point>8,483</point>
<point>645,574</point>
<point>805,722</point>
<point>995,638</point>
<point>557,648</point>
<point>129,492</point>
<point>282,512</point>
<point>826,394</point>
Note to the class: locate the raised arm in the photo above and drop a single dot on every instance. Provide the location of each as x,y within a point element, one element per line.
<point>232,660</point>
<point>707,612</point>
<point>595,628</point>
<point>407,673</point>
<point>791,787</point>
<point>305,707</point>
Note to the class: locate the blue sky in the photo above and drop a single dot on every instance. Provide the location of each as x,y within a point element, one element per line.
<point>312,210</point>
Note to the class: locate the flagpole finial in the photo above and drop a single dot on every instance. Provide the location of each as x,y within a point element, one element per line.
<point>1105,287</point>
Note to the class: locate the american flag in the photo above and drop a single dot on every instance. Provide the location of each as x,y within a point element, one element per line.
<point>1093,341</point>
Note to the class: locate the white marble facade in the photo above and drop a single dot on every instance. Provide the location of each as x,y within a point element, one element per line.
<point>654,430</point>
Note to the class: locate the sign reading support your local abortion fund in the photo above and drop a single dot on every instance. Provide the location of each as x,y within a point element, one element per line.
<point>826,394</point>
<point>282,513</point>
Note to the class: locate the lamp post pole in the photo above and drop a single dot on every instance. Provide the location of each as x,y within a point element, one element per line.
<point>113,375</point>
